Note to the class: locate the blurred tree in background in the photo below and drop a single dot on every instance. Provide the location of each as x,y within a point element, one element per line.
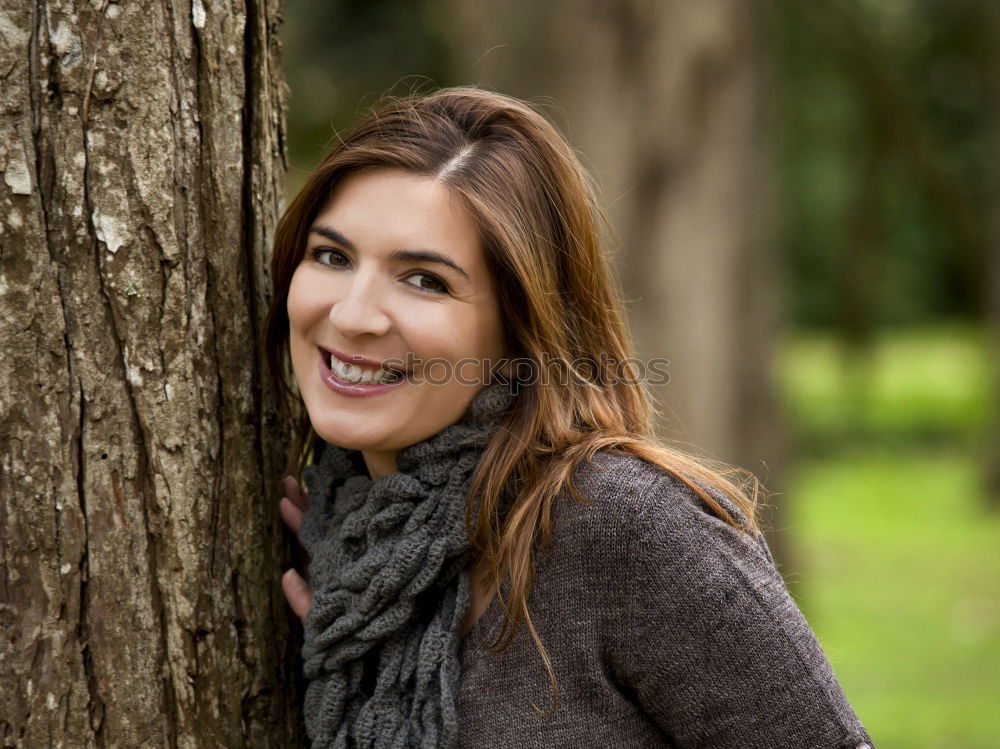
<point>881,125</point>
<point>804,195</point>
<point>883,160</point>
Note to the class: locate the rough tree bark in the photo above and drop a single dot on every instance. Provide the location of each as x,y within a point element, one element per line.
<point>140,547</point>
<point>667,103</point>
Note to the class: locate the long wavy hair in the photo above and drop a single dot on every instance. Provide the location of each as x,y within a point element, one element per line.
<point>546,241</point>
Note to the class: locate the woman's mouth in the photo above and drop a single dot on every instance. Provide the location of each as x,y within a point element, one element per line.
<point>358,375</point>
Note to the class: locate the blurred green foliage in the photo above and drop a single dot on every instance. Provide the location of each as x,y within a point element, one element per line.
<point>882,123</point>
<point>341,56</point>
<point>899,573</point>
<point>918,386</point>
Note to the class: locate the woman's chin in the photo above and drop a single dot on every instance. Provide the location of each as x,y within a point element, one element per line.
<point>350,438</point>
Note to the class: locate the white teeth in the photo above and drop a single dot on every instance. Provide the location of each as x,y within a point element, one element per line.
<point>358,376</point>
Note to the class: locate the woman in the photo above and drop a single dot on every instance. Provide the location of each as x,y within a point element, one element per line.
<point>500,553</point>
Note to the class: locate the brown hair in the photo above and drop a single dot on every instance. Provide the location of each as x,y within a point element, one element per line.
<point>544,236</point>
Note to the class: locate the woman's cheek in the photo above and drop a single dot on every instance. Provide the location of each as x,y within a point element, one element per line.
<point>298,303</point>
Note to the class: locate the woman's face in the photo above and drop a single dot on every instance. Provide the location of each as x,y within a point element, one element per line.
<point>394,272</point>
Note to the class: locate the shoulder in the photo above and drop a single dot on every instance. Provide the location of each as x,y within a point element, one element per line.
<point>641,505</point>
<point>694,603</point>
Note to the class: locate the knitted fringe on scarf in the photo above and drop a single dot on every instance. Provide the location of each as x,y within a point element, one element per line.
<point>390,587</point>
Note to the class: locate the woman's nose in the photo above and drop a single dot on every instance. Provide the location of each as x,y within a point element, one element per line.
<point>360,311</point>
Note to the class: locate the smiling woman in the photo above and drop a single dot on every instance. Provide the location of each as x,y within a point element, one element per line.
<point>455,498</point>
<point>360,302</point>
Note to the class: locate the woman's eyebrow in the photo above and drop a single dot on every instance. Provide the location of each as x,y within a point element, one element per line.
<point>427,256</point>
<point>333,235</point>
<point>412,256</point>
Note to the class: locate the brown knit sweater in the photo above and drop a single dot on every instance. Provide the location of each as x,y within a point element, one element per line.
<point>666,628</point>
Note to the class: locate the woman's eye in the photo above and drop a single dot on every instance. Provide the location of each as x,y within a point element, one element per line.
<point>336,259</point>
<point>436,284</point>
<point>325,256</point>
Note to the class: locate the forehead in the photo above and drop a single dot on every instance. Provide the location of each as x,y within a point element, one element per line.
<point>387,209</point>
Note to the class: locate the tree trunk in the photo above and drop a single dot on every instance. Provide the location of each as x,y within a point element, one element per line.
<point>141,154</point>
<point>666,102</point>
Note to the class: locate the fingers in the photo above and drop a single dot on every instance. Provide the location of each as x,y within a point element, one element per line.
<point>292,506</point>
<point>298,593</point>
<point>291,514</point>
<point>291,509</point>
<point>298,495</point>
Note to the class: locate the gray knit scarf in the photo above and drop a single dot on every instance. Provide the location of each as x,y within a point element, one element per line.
<point>390,587</point>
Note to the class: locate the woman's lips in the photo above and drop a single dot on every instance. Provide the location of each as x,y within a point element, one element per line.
<point>347,388</point>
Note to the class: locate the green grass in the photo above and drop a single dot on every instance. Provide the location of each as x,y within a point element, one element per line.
<point>911,385</point>
<point>899,561</point>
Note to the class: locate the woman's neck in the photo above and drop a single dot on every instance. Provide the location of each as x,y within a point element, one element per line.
<point>380,463</point>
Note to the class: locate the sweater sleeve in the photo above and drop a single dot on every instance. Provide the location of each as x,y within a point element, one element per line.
<point>711,645</point>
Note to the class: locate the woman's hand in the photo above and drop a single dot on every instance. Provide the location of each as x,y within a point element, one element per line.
<point>292,505</point>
